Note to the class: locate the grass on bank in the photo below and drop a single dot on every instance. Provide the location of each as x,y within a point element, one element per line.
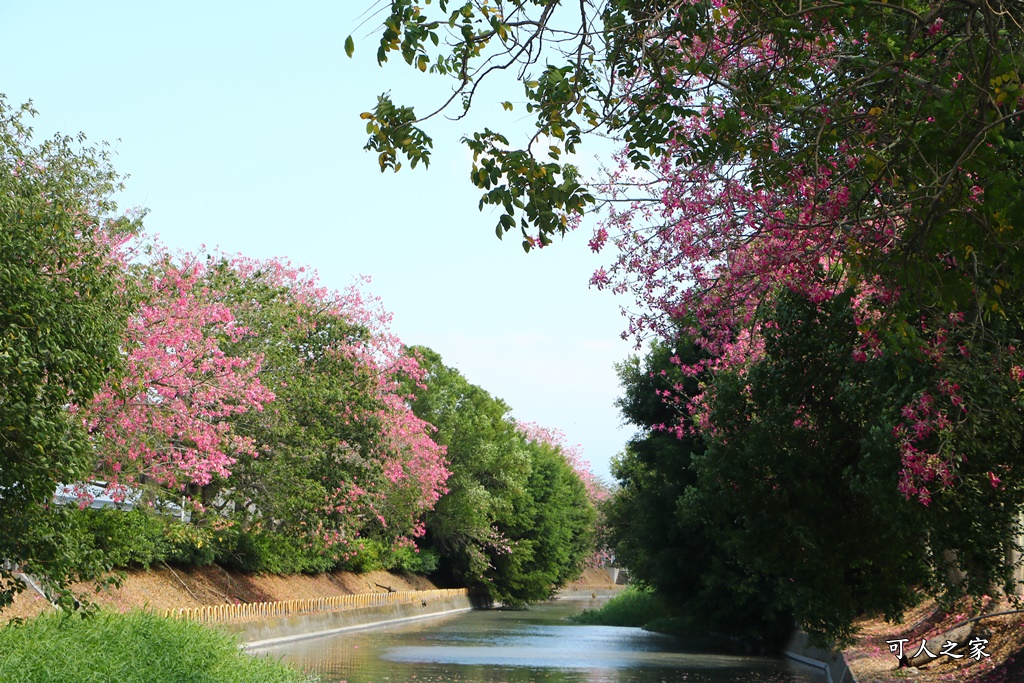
<point>643,608</point>
<point>129,648</point>
<point>632,607</point>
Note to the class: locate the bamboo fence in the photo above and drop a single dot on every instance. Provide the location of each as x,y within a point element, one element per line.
<point>234,613</point>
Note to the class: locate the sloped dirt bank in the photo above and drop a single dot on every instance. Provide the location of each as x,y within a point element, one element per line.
<point>164,587</point>
<point>596,579</point>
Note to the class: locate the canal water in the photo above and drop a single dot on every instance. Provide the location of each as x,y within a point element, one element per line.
<point>532,646</point>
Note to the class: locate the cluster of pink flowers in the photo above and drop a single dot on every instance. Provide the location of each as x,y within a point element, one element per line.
<point>164,418</point>
<point>922,467</point>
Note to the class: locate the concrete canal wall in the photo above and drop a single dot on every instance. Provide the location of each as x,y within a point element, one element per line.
<point>264,623</point>
<point>271,623</point>
<point>831,663</point>
<point>588,593</point>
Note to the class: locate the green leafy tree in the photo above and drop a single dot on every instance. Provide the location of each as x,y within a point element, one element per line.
<point>516,522</point>
<point>490,466</point>
<point>666,544</point>
<point>550,531</point>
<point>797,478</point>
<point>856,481</point>
<point>787,505</point>
<point>63,308</point>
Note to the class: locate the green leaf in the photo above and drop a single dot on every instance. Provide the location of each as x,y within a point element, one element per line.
<point>350,46</point>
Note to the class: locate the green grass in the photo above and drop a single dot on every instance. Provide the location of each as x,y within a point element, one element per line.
<point>631,607</point>
<point>128,648</point>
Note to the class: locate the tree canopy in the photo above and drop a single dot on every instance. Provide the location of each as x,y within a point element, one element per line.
<point>490,465</point>
<point>517,519</point>
<point>915,98</point>
<point>823,198</point>
<point>63,307</point>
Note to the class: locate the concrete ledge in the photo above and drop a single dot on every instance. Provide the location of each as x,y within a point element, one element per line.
<point>267,632</point>
<point>832,663</point>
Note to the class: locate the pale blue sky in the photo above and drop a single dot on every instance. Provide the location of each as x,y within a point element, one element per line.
<point>238,123</point>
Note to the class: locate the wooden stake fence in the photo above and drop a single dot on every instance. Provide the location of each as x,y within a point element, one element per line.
<point>234,613</point>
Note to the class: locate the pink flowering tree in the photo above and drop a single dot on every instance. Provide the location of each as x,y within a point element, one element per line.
<point>771,187</point>
<point>338,456</point>
<point>257,394</point>
<point>165,419</point>
<point>777,170</point>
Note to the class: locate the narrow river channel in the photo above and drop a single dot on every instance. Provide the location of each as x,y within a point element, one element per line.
<point>533,646</point>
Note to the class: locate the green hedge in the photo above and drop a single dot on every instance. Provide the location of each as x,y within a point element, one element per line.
<point>369,554</point>
<point>132,538</point>
<point>268,552</point>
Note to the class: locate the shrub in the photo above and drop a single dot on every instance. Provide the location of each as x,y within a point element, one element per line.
<point>413,561</point>
<point>126,538</point>
<point>268,552</point>
<point>140,537</point>
<point>189,546</point>
<point>366,556</point>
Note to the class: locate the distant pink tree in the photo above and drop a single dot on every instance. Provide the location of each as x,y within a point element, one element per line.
<point>193,368</point>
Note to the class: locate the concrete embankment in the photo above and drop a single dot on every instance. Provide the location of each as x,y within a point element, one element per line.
<point>268,623</point>
<point>588,592</point>
<point>274,630</point>
<point>831,663</point>
<point>273,624</point>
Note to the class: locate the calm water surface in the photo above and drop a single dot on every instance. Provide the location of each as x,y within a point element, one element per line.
<point>532,646</point>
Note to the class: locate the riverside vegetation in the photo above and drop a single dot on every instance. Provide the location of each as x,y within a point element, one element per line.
<point>815,212</point>
<point>129,648</point>
<point>815,216</point>
<point>649,609</point>
<point>634,606</point>
<point>236,412</point>
<point>245,414</point>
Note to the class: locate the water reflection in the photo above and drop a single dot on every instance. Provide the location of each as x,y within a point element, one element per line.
<point>535,646</point>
